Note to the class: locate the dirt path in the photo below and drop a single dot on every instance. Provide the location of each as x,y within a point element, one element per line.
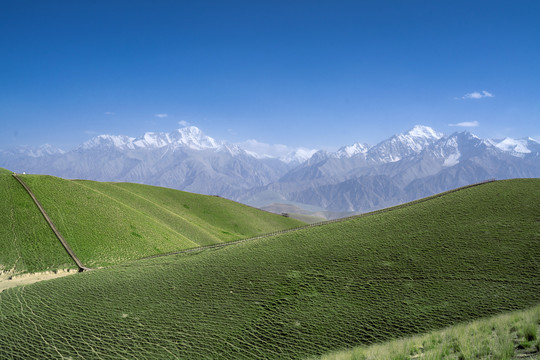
<point>54,229</point>
<point>7,282</point>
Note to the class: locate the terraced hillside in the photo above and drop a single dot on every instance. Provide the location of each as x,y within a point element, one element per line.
<point>109,223</point>
<point>450,259</point>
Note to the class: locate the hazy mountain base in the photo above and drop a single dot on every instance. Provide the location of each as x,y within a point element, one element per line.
<point>297,212</point>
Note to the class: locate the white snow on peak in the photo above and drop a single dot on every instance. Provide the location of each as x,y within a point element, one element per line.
<point>118,141</point>
<point>403,145</point>
<point>287,154</point>
<point>194,138</point>
<point>299,155</point>
<point>351,150</point>
<point>424,132</point>
<point>190,137</point>
<point>257,156</point>
<point>416,139</point>
<point>514,145</point>
<point>232,149</point>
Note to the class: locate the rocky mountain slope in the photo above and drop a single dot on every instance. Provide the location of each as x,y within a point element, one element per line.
<point>355,178</point>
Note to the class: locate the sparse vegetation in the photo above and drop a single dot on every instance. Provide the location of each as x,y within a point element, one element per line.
<point>414,269</point>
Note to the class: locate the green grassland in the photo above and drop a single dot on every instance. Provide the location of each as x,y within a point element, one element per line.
<point>4,171</point>
<point>451,259</point>
<point>27,244</point>
<point>507,336</point>
<point>109,223</point>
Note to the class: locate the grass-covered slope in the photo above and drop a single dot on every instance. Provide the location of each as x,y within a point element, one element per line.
<point>513,335</point>
<point>108,223</point>
<point>461,256</point>
<point>27,244</point>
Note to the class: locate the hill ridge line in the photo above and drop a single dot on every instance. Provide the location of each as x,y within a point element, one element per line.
<point>140,212</point>
<point>213,246</point>
<point>52,226</point>
<point>202,228</point>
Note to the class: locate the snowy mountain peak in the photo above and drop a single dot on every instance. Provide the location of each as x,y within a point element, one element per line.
<point>513,145</point>
<point>118,141</point>
<point>298,156</point>
<point>404,145</point>
<point>190,137</point>
<point>194,138</point>
<point>421,131</point>
<point>352,150</point>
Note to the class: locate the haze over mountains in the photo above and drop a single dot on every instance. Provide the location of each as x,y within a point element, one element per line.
<point>355,178</point>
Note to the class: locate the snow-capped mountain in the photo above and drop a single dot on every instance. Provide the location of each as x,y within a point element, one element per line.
<point>190,137</point>
<point>184,159</point>
<point>418,163</point>
<point>527,147</point>
<point>297,156</point>
<point>357,177</point>
<point>404,145</point>
<point>351,150</point>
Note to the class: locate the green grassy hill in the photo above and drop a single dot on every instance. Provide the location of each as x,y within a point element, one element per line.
<point>109,223</point>
<point>513,335</point>
<point>450,259</point>
<point>27,244</point>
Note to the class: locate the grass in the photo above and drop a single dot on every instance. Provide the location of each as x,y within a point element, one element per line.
<point>109,223</point>
<point>451,259</point>
<point>27,244</point>
<point>501,337</point>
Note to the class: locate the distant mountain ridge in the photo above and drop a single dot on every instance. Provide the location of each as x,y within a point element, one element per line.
<point>355,178</point>
<point>402,168</point>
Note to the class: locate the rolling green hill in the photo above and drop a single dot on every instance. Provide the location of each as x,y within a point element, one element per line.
<point>512,335</point>
<point>109,223</point>
<point>27,244</point>
<point>413,269</point>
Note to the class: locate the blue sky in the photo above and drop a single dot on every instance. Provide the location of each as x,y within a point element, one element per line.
<point>317,74</point>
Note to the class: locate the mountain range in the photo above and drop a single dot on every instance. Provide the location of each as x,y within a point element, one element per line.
<point>355,178</point>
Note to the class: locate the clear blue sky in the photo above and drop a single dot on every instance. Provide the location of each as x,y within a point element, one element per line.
<point>317,74</point>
